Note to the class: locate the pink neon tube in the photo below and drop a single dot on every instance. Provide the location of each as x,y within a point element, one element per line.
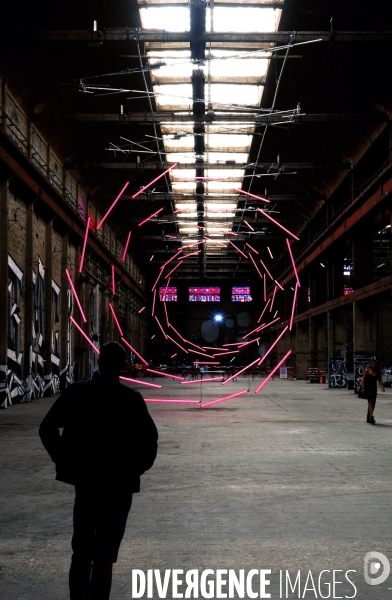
<point>202,353</point>
<point>165,374</point>
<point>223,399</point>
<point>157,279</point>
<point>251,195</point>
<point>175,330</point>
<point>177,344</point>
<point>247,224</point>
<point>176,267</point>
<point>115,319</point>
<point>272,372</point>
<point>201,380</point>
<point>75,296</point>
<point>205,362</point>
<point>250,332</point>
<point>113,282</point>
<point>268,324</point>
<point>238,250</point>
<point>150,217</point>
<point>113,205</point>
<point>141,310</point>
<point>265,289</point>
<point>273,298</point>
<point>195,345</point>
<point>84,335</point>
<point>247,343</point>
<point>160,327</point>
<point>134,351</point>
<point>278,224</point>
<point>270,253</point>
<point>278,284</point>
<point>166,315</point>
<point>170,259</point>
<point>273,345</point>
<point>153,303</point>
<point>256,267</point>
<point>224,353</point>
<point>126,246</point>
<point>251,247</point>
<point>266,270</point>
<point>154,385</point>
<point>84,245</point>
<point>293,263</point>
<point>264,309</point>
<point>167,401</point>
<point>241,371</point>
<point>293,307</point>
<point>153,181</point>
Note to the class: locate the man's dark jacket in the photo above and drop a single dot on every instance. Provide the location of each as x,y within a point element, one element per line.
<point>108,435</point>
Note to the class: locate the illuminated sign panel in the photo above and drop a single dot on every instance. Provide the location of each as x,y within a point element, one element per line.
<point>204,294</point>
<point>240,294</point>
<point>168,294</point>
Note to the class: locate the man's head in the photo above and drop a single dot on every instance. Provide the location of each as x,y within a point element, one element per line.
<point>111,360</point>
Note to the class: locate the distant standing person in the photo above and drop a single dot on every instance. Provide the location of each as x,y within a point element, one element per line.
<point>369,385</point>
<point>108,441</point>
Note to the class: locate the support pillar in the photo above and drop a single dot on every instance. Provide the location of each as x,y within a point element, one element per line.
<point>48,307</point>
<point>4,249</point>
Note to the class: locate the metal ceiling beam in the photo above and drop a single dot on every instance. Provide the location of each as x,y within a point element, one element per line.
<point>125,34</point>
<point>223,79</point>
<point>278,4</point>
<point>229,165</point>
<point>233,116</point>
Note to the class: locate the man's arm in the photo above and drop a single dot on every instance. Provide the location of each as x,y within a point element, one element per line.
<point>50,426</point>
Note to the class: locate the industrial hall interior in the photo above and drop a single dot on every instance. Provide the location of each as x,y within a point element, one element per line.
<point>208,183</point>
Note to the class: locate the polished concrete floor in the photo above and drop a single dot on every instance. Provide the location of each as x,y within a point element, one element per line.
<point>291,479</point>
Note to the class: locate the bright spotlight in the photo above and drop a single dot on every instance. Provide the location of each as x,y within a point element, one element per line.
<point>218,318</point>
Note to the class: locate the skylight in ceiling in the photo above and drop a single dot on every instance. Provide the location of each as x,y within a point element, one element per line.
<point>234,78</point>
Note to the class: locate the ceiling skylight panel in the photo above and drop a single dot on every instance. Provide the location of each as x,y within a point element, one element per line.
<point>185,142</point>
<point>231,141</point>
<point>238,157</point>
<point>178,97</point>
<point>214,186</point>
<point>229,94</point>
<point>181,187</point>
<point>238,67</point>
<point>169,18</point>
<point>245,19</point>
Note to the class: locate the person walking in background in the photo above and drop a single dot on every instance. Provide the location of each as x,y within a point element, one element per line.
<point>369,386</point>
<point>108,441</point>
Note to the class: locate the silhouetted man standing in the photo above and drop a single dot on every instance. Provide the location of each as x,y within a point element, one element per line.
<point>108,441</point>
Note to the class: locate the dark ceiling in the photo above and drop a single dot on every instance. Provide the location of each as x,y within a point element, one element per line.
<point>343,89</point>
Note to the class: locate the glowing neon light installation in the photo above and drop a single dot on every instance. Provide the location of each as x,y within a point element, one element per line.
<point>264,309</point>
<point>292,262</point>
<point>153,303</point>
<point>273,298</point>
<point>251,195</point>
<point>256,267</point>
<point>266,270</point>
<point>241,371</point>
<point>141,310</point>
<point>75,296</point>
<point>293,307</point>
<point>201,380</point>
<point>84,334</point>
<point>165,374</point>
<point>278,224</point>
<point>134,351</point>
<point>238,250</point>
<point>247,224</point>
<point>112,206</point>
<point>115,319</point>
<point>153,181</point>
<point>270,253</point>
<point>251,247</point>
<point>205,362</point>
<point>169,401</point>
<point>140,382</point>
<point>126,246</point>
<point>273,345</point>
<point>160,327</point>
<point>177,344</point>
<point>176,267</point>
<point>223,399</point>
<point>272,372</point>
<point>150,217</point>
<point>84,245</point>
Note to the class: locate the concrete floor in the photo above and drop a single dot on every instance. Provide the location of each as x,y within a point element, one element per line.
<point>289,479</point>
